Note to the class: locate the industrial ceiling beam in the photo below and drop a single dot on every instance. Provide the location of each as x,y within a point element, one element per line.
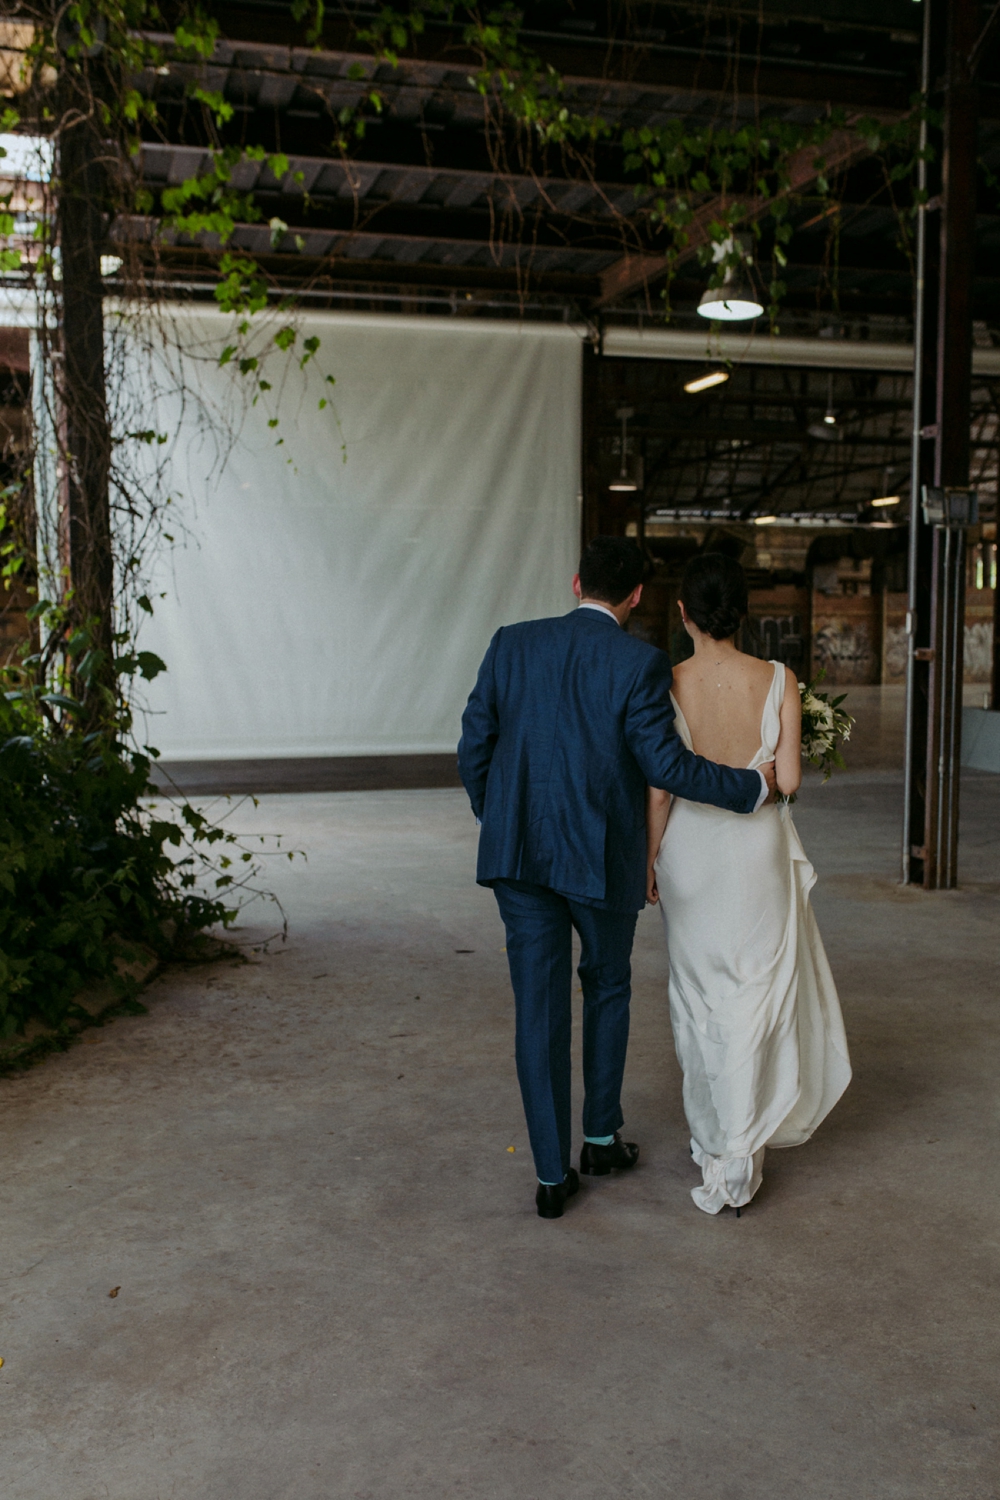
<point>693,70</point>
<point>425,222</point>
<point>303,272</point>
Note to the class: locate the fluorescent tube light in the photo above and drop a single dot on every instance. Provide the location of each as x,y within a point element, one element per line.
<point>705,382</point>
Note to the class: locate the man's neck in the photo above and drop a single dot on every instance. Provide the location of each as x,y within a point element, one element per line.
<point>619,612</point>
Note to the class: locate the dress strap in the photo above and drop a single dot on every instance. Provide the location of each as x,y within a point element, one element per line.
<point>770,724</point>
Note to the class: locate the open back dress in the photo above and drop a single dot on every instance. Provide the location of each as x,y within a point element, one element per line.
<point>753,1005</point>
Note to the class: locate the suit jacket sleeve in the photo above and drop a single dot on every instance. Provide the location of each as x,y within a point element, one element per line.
<point>480,731</point>
<point>664,759</point>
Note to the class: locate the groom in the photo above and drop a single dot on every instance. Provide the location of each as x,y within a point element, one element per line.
<point>569,720</point>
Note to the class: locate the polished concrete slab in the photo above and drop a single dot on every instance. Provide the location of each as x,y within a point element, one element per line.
<point>330,1283</point>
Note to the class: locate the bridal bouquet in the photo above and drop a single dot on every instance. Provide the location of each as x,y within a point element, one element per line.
<point>824,724</point>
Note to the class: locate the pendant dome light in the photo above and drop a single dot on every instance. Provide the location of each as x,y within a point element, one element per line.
<point>626,481</point>
<point>735,301</point>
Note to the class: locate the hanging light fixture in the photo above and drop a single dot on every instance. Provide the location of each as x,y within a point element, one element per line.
<point>734,301</point>
<point>625,482</point>
<point>705,382</point>
<point>887,500</point>
<point>829,416</point>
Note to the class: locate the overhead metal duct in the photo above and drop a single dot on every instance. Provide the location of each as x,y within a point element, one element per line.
<point>763,349</point>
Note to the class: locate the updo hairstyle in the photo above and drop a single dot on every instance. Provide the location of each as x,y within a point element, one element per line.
<point>714,594</point>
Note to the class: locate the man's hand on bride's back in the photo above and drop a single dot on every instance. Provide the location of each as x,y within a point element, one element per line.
<point>767,771</point>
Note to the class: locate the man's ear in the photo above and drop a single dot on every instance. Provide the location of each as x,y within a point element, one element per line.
<point>578,591</point>
<point>633,603</point>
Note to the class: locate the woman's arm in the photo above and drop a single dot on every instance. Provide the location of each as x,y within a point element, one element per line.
<point>657,808</point>
<point>788,755</point>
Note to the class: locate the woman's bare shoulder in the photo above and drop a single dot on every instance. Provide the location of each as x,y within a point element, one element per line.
<point>756,669</point>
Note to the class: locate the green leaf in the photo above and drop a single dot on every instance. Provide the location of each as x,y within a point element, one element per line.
<point>150,665</point>
<point>61,700</point>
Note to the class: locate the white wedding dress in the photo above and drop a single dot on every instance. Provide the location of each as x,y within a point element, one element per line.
<point>753,1005</point>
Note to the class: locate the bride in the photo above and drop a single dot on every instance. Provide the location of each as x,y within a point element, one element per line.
<point>754,1009</point>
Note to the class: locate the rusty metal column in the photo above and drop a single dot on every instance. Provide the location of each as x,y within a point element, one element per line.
<point>938,626</point>
<point>921,473</point>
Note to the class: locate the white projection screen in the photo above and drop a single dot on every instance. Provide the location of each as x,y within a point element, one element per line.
<point>334,594</point>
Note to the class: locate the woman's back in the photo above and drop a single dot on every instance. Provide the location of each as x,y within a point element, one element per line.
<point>722,696</point>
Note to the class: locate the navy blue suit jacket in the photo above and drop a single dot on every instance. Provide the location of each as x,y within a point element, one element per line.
<point>569,721</point>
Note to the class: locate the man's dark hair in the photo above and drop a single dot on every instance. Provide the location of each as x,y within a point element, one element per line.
<point>610,568</point>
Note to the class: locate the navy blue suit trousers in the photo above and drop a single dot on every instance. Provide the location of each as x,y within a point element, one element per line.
<point>539,925</point>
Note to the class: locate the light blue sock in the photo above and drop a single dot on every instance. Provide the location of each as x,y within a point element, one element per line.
<point>552,1184</point>
<point>599,1140</point>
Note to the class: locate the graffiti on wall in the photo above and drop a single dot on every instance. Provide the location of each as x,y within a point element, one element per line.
<point>845,652</point>
<point>895,653</point>
<point>978,651</point>
<point>776,638</point>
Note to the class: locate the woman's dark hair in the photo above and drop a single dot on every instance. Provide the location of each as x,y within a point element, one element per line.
<point>610,568</point>
<point>714,594</point>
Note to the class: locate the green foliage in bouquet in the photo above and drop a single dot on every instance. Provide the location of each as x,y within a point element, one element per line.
<point>825,726</point>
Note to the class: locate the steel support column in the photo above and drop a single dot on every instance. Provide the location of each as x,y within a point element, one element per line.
<point>942,403</point>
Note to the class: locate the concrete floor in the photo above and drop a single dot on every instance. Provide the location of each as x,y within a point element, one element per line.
<point>333,1284</point>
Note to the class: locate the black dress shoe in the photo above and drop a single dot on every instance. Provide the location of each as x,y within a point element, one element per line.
<point>550,1200</point>
<point>598,1161</point>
